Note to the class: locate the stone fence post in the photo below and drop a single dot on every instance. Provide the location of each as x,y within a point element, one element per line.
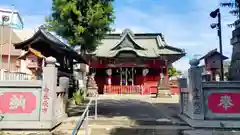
<point>49,95</point>
<point>64,85</point>
<point>195,99</point>
<point>183,100</point>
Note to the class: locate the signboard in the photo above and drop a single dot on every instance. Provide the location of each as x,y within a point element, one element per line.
<point>224,102</point>
<point>32,61</point>
<point>17,102</point>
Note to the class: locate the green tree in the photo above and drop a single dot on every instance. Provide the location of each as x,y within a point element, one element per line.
<point>173,72</point>
<point>235,10</point>
<point>81,22</point>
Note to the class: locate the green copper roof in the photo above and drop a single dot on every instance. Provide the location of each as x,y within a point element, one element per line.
<point>150,45</point>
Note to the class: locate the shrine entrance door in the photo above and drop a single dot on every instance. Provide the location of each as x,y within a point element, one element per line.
<point>127,76</point>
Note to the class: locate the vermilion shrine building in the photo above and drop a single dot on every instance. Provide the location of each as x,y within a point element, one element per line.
<point>132,63</point>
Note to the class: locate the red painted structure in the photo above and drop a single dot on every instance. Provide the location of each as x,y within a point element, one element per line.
<point>142,84</point>
<point>18,102</point>
<point>130,63</point>
<point>224,103</point>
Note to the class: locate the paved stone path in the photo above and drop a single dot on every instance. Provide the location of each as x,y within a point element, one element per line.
<point>135,114</point>
<point>137,107</point>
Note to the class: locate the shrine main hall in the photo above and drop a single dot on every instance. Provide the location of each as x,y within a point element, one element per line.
<point>130,62</point>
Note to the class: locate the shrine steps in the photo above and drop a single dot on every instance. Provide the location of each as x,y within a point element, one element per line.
<point>122,126</point>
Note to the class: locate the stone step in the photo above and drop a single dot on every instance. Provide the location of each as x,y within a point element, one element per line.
<point>123,122</point>
<point>69,132</point>
<point>129,131</point>
<point>123,131</point>
<point>93,126</point>
<point>17,132</point>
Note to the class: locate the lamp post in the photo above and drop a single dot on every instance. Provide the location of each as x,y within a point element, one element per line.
<point>10,40</point>
<point>217,25</point>
<point>3,19</point>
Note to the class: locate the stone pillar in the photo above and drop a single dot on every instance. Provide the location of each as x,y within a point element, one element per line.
<point>49,95</point>
<point>64,84</point>
<point>183,100</point>
<point>195,104</point>
<point>234,69</point>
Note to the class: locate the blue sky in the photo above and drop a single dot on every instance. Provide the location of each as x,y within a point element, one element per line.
<point>183,24</point>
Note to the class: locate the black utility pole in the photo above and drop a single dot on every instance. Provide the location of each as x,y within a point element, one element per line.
<point>220,45</point>
<point>215,14</point>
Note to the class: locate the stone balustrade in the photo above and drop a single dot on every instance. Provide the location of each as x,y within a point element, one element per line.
<point>209,104</point>
<point>34,104</point>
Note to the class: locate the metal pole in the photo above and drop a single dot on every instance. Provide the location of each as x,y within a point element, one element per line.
<point>10,41</point>
<point>220,46</point>
<point>1,43</point>
<point>86,123</point>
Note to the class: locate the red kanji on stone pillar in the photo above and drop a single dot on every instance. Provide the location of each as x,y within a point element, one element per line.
<point>224,102</point>
<point>17,102</point>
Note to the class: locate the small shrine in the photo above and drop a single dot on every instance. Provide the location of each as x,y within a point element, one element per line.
<point>34,62</point>
<point>212,62</point>
<point>44,44</point>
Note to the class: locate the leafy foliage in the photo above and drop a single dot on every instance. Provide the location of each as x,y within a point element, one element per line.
<point>173,72</point>
<point>235,10</point>
<point>81,22</point>
<point>78,96</point>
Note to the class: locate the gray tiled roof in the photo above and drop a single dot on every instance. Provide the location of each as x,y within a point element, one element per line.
<point>144,45</point>
<point>53,42</point>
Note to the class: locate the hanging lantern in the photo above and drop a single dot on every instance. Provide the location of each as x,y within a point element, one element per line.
<point>109,72</point>
<point>145,71</point>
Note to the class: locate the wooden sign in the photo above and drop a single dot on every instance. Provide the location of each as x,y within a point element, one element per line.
<point>32,61</point>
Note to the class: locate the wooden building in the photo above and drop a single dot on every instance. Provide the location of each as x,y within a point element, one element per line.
<point>132,62</point>
<point>212,61</point>
<point>43,44</point>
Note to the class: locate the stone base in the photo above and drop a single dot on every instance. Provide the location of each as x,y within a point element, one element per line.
<point>92,91</point>
<point>164,93</point>
<point>211,132</point>
<point>47,125</point>
<point>31,125</point>
<point>211,123</point>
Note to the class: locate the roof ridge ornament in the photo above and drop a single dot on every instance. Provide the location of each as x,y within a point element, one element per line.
<point>127,31</point>
<point>127,40</point>
<point>160,41</point>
